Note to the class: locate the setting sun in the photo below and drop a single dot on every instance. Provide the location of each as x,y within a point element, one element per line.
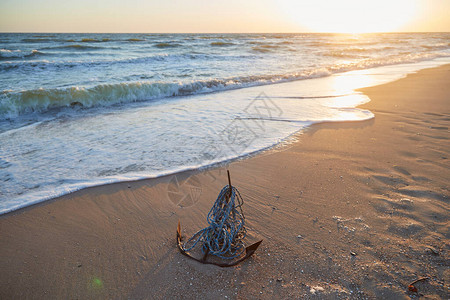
<point>351,16</point>
<point>347,16</point>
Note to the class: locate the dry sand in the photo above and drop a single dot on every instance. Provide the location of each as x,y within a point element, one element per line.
<point>350,210</point>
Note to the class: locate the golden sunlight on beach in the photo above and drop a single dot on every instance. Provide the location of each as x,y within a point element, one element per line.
<point>274,149</point>
<point>351,16</point>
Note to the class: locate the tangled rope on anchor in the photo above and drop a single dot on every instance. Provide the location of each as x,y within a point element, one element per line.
<point>226,231</point>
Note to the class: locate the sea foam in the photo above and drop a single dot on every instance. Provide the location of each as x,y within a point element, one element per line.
<point>79,110</point>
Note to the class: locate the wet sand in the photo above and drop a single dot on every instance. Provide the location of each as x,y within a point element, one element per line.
<point>349,210</point>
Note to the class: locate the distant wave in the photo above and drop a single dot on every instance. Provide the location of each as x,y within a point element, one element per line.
<point>41,39</point>
<point>208,37</point>
<point>262,49</point>
<point>360,52</point>
<point>53,39</point>
<point>45,64</point>
<point>18,54</point>
<point>406,57</point>
<point>166,45</point>
<point>269,46</point>
<point>105,40</point>
<point>350,52</point>
<point>265,47</point>
<point>135,40</point>
<point>37,40</point>
<point>341,54</point>
<point>221,44</point>
<point>437,46</point>
<point>90,40</point>
<point>44,35</point>
<point>339,43</point>
<point>357,49</point>
<point>76,47</point>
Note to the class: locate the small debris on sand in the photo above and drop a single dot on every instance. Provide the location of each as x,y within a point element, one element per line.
<point>316,289</point>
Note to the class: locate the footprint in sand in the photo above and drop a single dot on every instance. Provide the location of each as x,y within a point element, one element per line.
<point>439,127</point>
<point>401,170</point>
<point>408,154</point>
<point>391,181</point>
<point>407,229</point>
<point>423,194</point>
<point>421,179</point>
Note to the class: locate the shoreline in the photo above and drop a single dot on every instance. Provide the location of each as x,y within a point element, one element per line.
<point>38,196</point>
<point>374,188</point>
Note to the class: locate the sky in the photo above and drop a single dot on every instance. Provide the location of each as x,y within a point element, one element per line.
<point>186,16</point>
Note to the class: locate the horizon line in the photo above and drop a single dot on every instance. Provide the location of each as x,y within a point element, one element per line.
<point>287,32</point>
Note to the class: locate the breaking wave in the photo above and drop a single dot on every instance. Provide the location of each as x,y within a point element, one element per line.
<point>13,103</point>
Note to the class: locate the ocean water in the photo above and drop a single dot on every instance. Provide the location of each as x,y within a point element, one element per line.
<point>79,110</point>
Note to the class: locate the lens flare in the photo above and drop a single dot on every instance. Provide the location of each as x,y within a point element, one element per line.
<point>96,283</point>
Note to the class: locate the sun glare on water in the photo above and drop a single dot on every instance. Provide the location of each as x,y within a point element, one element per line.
<point>350,16</point>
